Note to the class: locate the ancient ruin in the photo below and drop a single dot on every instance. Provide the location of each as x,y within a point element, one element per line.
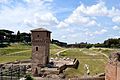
<point>113,67</point>
<point>40,63</point>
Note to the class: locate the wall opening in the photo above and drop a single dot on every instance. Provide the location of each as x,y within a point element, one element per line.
<point>36,48</point>
<point>37,35</point>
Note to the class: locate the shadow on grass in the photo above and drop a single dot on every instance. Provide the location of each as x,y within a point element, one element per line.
<point>4,45</point>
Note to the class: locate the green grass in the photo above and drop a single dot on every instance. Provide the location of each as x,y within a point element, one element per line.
<point>12,58</point>
<point>19,46</point>
<point>14,52</point>
<point>95,66</point>
<point>10,51</point>
<point>54,49</point>
<point>92,57</point>
<point>53,46</point>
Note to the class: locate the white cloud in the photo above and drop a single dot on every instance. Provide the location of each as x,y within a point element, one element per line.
<point>63,37</point>
<point>116,28</point>
<point>3,1</point>
<point>31,1</point>
<point>101,31</point>
<point>116,19</point>
<point>70,30</point>
<point>62,25</point>
<point>73,35</point>
<point>46,19</point>
<point>77,18</point>
<point>98,9</point>
<point>89,33</point>
<point>116,37</point>
<point>83,15</point>
<point>113,36</point>
<point>35,14</point>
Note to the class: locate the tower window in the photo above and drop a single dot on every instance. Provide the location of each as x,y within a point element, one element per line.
<point>36,48</point>
<point>37,35</point>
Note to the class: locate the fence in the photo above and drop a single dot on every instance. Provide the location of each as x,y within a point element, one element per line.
<point>12,72</point>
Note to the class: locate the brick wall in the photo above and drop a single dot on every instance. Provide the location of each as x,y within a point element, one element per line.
<point>40,49</point>
<point>92,78</point>
<point>118,71</point>
<point>112,71</point>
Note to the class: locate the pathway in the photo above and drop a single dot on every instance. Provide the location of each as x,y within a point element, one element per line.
<point>58,53</point>
<point>17,52</point>
<point>104,55</point>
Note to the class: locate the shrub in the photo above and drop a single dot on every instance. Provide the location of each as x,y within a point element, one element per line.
<point>28,77</point>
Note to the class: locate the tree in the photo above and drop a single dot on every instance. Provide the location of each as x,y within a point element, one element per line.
<point>5,35</point>
<point>114,43</point>
<point>18,36</point>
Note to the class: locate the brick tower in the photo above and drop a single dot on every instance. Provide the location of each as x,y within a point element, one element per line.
<point>40,48</point>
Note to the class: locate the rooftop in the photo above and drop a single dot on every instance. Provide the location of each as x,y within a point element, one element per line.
<point>40,29</point>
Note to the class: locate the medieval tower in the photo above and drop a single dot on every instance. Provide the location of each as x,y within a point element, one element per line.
<point>40,48</point>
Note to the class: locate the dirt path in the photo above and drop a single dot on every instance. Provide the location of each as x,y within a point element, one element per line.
<point>17,52</point>
<point>58,53</point>
<point>104,55</point>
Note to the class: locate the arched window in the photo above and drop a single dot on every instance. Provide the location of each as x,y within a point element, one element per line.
<point>36,48</point>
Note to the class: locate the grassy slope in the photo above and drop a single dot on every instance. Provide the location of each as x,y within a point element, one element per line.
<point>92,57</point>
<point>15,52</point>
<point>54,49</point>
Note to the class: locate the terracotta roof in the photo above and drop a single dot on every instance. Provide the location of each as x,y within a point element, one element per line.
<point>40,29</point>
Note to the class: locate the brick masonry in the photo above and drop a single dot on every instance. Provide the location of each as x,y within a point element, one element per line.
<point>40,48</point>
<point>112,70</point>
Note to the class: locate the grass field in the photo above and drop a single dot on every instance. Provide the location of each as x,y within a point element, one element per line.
<point>15,52</point>
<point>94,57</point>
<point>21,52</point>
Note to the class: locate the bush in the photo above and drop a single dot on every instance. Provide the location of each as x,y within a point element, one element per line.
<point>28,77</point>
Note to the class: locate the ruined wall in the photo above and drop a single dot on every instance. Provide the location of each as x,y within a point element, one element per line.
<point>118,71</point>
<point>111,71</point>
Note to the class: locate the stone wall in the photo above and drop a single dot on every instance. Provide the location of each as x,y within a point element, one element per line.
<point>92,78</point>
<point>112,70</point>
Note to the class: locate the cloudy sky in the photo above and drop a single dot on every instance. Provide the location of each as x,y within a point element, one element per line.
<point>69,20</point>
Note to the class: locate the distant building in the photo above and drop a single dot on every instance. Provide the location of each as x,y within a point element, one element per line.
<point>113,67</point>
<point>40,48</point>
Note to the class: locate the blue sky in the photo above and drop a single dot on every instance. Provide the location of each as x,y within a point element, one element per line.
<point>70,21</point>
